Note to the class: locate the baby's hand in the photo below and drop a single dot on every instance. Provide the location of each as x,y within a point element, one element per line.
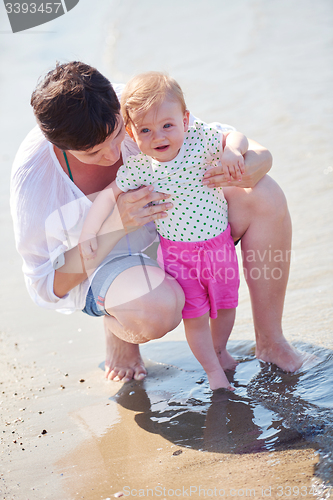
<point>88,246</point>
<point>233,164</point>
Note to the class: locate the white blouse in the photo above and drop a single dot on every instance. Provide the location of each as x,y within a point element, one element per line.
<point>48,211</point>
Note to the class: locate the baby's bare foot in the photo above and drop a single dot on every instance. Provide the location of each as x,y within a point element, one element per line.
<point>226,360</point>
<point>218,380</point>
<point>123,360</point>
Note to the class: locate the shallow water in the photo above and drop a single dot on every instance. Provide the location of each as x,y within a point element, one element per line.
<point>269,410</point>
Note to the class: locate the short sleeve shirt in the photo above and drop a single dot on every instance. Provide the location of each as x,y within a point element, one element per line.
<point>199,213</point>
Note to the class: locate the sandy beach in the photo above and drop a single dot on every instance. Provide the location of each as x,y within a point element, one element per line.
<point>266,68</point>
<point>85,438</point>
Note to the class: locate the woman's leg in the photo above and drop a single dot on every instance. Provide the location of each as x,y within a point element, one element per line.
<point>144,304</point>
<point>260,217</point>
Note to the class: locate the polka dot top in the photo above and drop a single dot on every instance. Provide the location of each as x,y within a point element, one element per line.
<point>199,212</point>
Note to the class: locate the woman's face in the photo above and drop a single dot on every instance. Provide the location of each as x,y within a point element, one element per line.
<point>107,153</point>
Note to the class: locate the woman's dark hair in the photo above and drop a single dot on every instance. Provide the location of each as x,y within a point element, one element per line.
<point>75,106</point>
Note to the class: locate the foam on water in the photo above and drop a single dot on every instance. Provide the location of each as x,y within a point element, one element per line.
<point>269,410</point>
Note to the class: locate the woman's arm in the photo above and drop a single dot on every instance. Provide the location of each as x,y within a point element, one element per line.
<point>98,213</point>
<point>76,269</point>
<point>130,213</point>
<point>258,162</point>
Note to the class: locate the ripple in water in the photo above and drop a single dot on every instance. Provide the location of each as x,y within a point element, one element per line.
<point>269,409</point>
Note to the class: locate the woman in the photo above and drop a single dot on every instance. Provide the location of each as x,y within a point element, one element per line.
<point>75,152</point>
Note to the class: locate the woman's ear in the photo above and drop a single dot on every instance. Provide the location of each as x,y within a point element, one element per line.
<point>186,120</point>
<point>129,131</point>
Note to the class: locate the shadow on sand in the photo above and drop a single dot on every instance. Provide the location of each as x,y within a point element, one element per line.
<point>269,410</point>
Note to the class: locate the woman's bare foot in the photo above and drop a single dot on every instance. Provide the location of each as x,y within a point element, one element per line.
<point>123,360</point>
<point>281,354</point>
<point>226,360</point>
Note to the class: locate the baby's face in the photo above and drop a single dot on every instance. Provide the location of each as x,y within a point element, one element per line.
<point>159,133</point>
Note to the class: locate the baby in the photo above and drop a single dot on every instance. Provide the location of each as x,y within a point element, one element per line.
<point>196,247</point>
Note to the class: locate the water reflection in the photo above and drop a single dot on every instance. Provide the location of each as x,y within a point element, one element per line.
<point>269,409</point>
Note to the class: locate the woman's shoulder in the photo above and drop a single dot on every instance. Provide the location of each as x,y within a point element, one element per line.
<point>36,180</point>
<point>33,149</point>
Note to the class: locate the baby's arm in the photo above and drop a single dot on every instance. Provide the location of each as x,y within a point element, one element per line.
<point>99,211</point>
<point>232,159</point>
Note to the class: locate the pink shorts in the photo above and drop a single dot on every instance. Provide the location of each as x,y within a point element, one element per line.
<point>206,270</point>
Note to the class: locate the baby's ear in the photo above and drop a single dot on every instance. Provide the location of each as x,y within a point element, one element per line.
<point>186,120</point>
<point>129,131</point>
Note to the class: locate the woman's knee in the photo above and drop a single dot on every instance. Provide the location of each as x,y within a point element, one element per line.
<point>268,199</point>
<point>265,202</point>
<point>152,315</point>
<point>162,311</point>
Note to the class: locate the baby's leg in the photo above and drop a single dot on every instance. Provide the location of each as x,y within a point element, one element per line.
<point>199,338</point>
<point>220,330</point>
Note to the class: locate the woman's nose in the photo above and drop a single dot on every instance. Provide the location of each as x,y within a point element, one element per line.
<point>112,153</point>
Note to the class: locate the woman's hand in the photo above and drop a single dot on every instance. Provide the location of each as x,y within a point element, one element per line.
<point>134,209</point>
<point>130,212</point>
<point>258,161</point>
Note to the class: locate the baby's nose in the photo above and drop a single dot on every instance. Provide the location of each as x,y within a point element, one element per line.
<point>158,135</point>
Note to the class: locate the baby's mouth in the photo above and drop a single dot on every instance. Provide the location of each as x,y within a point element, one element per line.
<point>162,148</point>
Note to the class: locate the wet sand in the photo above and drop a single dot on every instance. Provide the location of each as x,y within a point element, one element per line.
<point>97,442</point>
<point>72,437</point>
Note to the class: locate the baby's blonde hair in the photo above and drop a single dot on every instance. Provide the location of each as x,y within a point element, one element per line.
<point>149,89</point>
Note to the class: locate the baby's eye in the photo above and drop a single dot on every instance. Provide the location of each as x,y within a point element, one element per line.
<point>145,130</point>
<point>167,125</point>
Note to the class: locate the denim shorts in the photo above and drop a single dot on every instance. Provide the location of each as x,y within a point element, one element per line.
<point>95,300</point>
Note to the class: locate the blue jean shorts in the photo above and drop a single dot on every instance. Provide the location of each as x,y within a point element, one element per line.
<point>95,300</point>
